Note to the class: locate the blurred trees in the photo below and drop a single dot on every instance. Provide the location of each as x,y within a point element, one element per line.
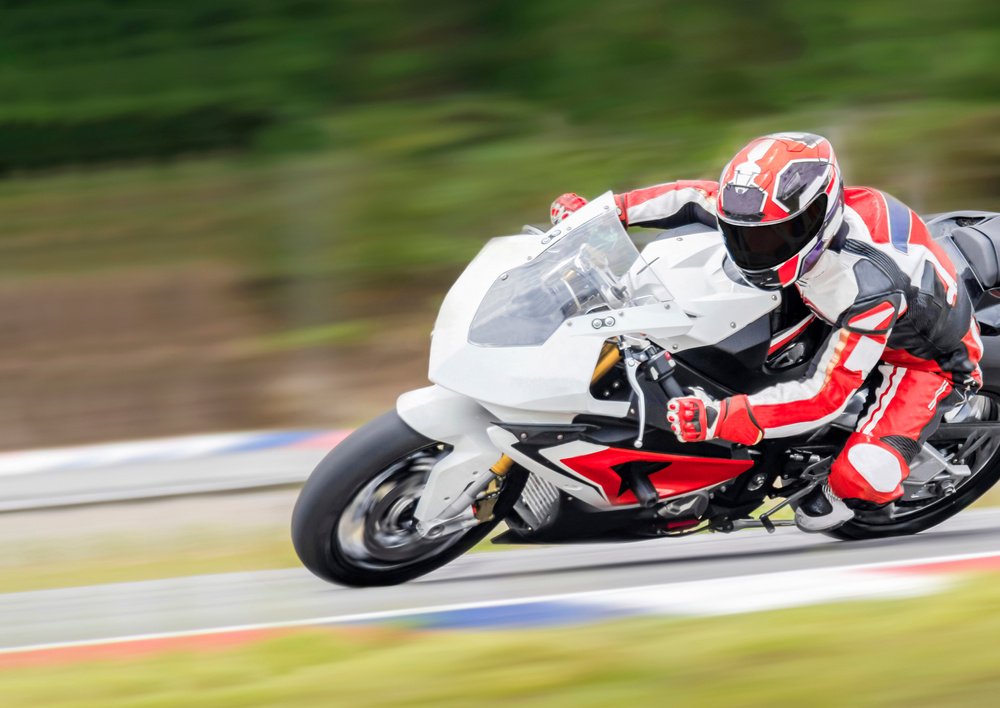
<point>94,80</point>
<point>243,213</point>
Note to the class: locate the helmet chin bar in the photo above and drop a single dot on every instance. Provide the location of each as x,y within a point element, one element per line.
<point>785,275</point>
<point>762,280</point>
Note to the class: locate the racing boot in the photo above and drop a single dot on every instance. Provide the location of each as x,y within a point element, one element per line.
<point>821,510</point>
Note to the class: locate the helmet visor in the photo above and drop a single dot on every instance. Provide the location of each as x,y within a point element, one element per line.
<point>763,246</point>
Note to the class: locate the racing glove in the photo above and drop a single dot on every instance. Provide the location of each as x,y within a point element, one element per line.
<point>698,418</point>
<point>565,205</point>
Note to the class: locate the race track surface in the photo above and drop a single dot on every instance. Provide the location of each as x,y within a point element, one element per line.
<point>293,596</point>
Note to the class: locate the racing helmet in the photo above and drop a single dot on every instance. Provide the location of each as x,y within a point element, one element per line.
<point>780,203</point>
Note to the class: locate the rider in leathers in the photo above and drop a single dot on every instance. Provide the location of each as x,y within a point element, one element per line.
<point>864,263</point>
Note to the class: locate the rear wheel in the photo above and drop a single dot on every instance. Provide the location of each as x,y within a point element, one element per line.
<point>353,522</point>
<point>970,436</point>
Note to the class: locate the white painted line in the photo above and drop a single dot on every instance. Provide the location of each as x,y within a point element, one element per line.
<point>88,456</point>
<point>758,593</point>
<point>82,457</point>
<point>761,582</point>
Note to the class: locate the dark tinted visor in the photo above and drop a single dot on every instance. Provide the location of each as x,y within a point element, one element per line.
<point>762,246</point>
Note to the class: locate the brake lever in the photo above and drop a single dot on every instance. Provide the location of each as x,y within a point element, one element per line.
<point>631,369</point>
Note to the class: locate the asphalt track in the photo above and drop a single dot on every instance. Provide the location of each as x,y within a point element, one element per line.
<point>240,600</point>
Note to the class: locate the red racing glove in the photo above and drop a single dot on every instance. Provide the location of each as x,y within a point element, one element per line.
<point>694,419</point>
<point>565,205</point>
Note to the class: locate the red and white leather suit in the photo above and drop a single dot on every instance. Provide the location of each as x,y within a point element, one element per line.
<point>897,304</point>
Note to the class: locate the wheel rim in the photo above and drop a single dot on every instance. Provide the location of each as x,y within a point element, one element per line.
<point>979,450</point>
<point>377,528</point>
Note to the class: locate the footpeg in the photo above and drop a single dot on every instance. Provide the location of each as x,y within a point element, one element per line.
<point>764,523</point>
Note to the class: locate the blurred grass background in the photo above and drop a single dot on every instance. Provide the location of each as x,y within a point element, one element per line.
<point>887,653</point>
<point>237,214</point>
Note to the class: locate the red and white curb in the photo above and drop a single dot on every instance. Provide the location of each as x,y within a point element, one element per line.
<point>710,597</point>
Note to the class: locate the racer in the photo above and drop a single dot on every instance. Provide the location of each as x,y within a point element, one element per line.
<point>865,264</point>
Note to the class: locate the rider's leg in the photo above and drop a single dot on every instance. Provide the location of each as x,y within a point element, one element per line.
<point>870,469</point>
<point>905,411</point>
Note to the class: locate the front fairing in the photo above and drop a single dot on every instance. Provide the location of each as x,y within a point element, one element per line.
<point>549,367</point>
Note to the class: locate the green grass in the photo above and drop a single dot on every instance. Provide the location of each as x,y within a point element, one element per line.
<point>341,333</point>
<point>97,80</point>
<point>938,650</point>
<point>90,559</point>
<point>378,203</point>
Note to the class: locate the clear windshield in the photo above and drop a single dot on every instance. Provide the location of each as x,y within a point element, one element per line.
<point>588,269</point>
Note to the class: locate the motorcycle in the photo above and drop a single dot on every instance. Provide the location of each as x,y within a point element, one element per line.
<point>552,360</point>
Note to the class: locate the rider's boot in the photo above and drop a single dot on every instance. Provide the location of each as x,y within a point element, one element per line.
<point>821,510</point>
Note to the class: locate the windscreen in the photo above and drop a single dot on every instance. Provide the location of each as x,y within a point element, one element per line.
<point>591,268</point>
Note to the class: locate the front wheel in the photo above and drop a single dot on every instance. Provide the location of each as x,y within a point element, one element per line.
<point>353,522</point>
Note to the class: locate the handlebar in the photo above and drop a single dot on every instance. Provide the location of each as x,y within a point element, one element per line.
<point>661,368</point>
<point>671,387</point>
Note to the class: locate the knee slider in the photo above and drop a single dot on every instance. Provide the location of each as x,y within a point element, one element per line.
<point>868,469</point>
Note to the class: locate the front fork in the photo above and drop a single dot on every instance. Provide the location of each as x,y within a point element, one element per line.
<point>453,498</point>
<point>474,505</point>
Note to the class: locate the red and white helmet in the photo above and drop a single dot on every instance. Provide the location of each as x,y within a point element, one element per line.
<point>780,203</point>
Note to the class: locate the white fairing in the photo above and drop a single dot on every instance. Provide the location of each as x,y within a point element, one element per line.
<point>549,382</point>
<point>571,483</point>
<point>691,267</point>
<point>553,376</point>
<point>458,421</point>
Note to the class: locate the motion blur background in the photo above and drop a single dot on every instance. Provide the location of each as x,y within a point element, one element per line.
<point>235,214</point>
<point>242,214</point>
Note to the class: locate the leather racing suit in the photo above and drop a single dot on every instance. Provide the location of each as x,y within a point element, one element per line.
<point>896,303</point>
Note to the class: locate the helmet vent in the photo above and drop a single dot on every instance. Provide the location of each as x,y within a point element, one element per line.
<point>743,203</point>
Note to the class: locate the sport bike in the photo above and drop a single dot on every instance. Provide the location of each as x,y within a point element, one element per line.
<point>552,360</point>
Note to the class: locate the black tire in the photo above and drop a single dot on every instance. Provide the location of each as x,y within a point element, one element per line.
<point>342,475</point>
<point>867,526</point>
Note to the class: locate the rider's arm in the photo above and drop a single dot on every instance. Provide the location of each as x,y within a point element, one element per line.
<point>669,205</point>
<point>840,369</point>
